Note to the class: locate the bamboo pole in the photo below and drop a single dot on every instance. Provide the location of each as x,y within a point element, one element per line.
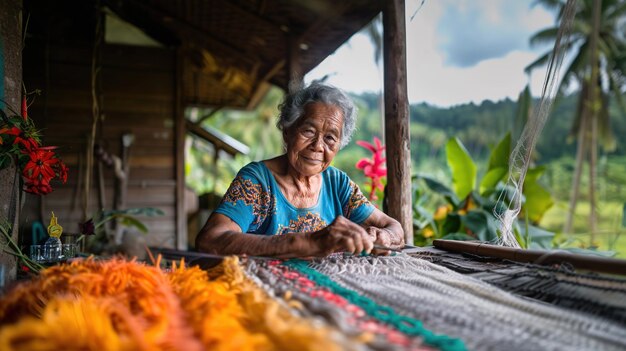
<point>543,257</point>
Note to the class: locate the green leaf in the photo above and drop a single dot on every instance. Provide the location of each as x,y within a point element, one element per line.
<point>138,211</point>
<point>451,224</point>
<point>538,199</point>
<point>491,179</point>
<point>624,215</point>
<point>130,221</point>
<point>458,236</point>
<point>462,167</point>
<point>539,238</point>
<point>5,161</point>
<point>439,188</point>
<point>500,155</point>
<point>476,221</point>
<point>481,223</point>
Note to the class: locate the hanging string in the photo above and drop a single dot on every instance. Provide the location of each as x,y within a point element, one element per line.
<point>520,156</point>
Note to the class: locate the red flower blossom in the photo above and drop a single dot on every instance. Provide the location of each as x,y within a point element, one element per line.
<point>37,186</point>
<point>28,144</point>
<point>14,131</point>
<point>41,164</point>
<point>20,146</point>
<point>373,168</point>
<point>62,171</point>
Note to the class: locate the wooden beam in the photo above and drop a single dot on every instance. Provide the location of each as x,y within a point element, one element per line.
<point>219,140</point>
<point>262,85</point>
<point>397,122</point>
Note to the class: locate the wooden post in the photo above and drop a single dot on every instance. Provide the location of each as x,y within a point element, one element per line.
<point>397,117</point>
<point>179,155</point>
<point>10,91</point>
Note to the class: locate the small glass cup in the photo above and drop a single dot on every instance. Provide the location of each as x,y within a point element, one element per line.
<point>68,251</point>
<point>36,253</point>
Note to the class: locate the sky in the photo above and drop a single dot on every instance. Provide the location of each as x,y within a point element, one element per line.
<point>458,51</point>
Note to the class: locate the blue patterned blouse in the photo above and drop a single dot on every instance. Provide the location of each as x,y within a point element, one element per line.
<point>254,201</point>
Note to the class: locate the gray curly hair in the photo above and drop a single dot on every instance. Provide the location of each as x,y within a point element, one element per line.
<point>292,107</point>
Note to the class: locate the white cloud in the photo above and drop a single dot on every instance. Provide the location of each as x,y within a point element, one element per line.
<point>352,67</point>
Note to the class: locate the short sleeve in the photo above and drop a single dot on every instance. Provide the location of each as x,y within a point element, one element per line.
<point>247,201</point>
<point>358,207</point>
<point>355,206</point>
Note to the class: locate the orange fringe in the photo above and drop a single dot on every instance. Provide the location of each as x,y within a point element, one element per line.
<point>125,305</point>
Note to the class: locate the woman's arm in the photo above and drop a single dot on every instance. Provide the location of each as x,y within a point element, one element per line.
<point>221,235</point>
<point>387,231</point>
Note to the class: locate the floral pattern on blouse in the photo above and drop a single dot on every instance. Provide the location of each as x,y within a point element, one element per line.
<point>251,194</point>
<point>310,222</point>
<point>357,199</point>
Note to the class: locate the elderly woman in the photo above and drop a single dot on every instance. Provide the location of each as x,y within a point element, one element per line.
<point>297,205</point>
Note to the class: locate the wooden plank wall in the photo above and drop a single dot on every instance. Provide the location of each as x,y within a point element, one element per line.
<point>138,90</point>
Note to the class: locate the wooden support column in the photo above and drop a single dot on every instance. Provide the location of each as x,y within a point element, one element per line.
<point>397,117</point>
<point>10,91</point>
<point>181,131</point>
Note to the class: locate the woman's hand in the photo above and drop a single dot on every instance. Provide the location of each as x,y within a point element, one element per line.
<point>382,237</point>
<point>385,231</point>
<point>342,235</point>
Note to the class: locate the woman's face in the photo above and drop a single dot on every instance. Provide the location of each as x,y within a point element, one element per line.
<point>313,142</point>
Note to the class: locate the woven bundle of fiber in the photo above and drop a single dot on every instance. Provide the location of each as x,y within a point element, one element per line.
<point>122,305</point>
<point>483,316</point>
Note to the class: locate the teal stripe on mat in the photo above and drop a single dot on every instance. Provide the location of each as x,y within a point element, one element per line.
<point>387,315</point>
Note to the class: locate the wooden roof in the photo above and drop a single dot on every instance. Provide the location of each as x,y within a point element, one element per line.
<point>234,48</point>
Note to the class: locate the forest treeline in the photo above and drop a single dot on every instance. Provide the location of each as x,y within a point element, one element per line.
<point>480,126</point>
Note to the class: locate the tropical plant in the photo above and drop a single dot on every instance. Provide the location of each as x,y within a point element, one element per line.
<point>100,239</point>
<point>470,206</point>
<point>598,67</point>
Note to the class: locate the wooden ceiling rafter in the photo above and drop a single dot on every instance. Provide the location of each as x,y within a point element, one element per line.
<point>255,16</point>
<point>186,30</point>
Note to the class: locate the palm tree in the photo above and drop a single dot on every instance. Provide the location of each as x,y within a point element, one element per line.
<point>598,67</point>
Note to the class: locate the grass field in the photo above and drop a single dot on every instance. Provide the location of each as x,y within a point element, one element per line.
<point>611,234</point>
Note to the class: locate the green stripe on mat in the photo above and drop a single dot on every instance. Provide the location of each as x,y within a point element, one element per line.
<point>387,315</point>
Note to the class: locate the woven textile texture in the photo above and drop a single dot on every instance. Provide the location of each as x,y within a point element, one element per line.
<point>600,295</point>
<point>483,316</point>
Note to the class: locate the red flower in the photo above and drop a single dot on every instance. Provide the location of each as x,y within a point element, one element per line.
<point>40,164</point>
<point>373,168</point>
<point>29,144</point>
<point>37,186</point>
<point>9,131</point>
<point>62,171</point>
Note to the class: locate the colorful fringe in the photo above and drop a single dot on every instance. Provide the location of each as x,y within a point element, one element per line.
<point>121,305</point>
